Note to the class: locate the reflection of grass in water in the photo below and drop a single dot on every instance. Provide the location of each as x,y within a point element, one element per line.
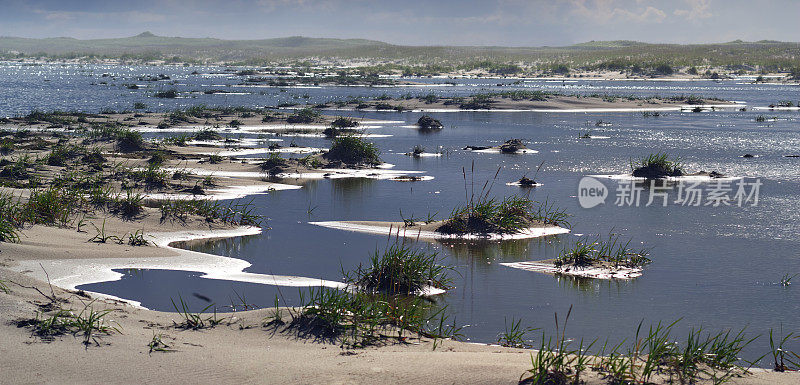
<point>346,186</point>
<point>511,250</point>
<point>222,246</point>
<point>591,285</point>
<point>399,270</point>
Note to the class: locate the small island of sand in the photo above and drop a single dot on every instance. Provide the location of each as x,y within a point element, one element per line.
<point>541,101</point>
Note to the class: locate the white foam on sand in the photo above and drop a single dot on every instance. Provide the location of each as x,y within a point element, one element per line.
<point>242,142</point>
<point>224,193</point>
<point>523,185</point>
<point>281,150</point>
<point>685,178</point>
<point>382,172</point>
<point>777,108</point>
<point>498,151</point>
<point>532,232</point>
<point>589,272</point>
<point>368,173</point>
<point>69,274</point>
<point>424,154</point>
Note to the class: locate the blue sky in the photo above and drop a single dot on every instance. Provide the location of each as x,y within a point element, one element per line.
<point>415,22</point>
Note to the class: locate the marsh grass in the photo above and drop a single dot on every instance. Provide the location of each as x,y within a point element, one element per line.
<point>398,269</point>
<point>379,303</point>
<point>152,176</point>
<point>612,251</point>
<point>786,280</point>
<point>129,140</point>
<point>157,344</point>
<point>274,164</point>
<point>236,212</point>
<point>128,205</point>
<point>482,214</point>
<point>194,320</point>
<point>9,212</point>
<point>782,358</point>
<point>60,154</point>
<point>654,355</point>
<point>89,323</point>
<point>514,335</point>
<point>658,165</point>
<point>52,206</point>
<point>303,116</point>
<point>357,319</point>
<point>353,150</point>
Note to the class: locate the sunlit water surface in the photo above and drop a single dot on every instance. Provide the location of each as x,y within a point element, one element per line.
<point>716,267</point>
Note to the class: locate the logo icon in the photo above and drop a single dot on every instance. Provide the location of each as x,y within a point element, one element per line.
<point>591,192</point>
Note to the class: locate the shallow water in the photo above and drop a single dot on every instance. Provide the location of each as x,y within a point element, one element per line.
<point>713,266</point>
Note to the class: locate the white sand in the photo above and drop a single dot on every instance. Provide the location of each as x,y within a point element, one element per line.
<point>590,272</point>
<point>533,232</point>
<point>69,274</point>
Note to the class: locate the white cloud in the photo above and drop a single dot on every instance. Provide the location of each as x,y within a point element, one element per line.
<point>605,11</point>
<point>700,9</point>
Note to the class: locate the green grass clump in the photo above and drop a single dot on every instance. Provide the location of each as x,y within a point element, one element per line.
<point>52,206</point>
<point>152,176</point>
<point>9,218</point>
<point>234,212</point>
<point>89,323</point>
<point>340,126</point>
<point>353,150</point>
<point>655,166</point>
<point>654,357</point>
<point>129,140</point>
<point>274,164</point>
<point>612,252</point>
<point>16,169</point>
<point>357,319</point>
<point>127,205</point>
<point>511,215</point>
<point>158,158</point>
<point>343,122</point>
<point>194,321</point>
<point>207,134</point>
<point>60,154</point>
<point>305,116</point>
<point>400,270</point>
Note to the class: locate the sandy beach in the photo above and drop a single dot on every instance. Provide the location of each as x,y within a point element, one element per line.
<point>240,349</point>
<point>42,270</point>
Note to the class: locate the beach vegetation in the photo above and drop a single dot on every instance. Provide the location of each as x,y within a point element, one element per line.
<point>303,116</point>
<point>353,150</point>
<point>128,204</point>
<point>611,251</point>
<point>274,164</point>
<point>656,166</point>
<point>654,355</point>
<point>236,212</point>
<point>89,323</point>
<point>399,270</point>
<point>194,320</point>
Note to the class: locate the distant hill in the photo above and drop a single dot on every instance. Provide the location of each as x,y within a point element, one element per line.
<point>148,46</point>
<point>209,48</point>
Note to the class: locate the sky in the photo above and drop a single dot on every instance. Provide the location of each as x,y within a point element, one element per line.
<point>412,22</point>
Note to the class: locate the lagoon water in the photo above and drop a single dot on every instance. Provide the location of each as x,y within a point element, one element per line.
<point>714,267</point>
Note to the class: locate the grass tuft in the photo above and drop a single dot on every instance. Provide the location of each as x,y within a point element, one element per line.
<point>353,150</point>
<point>400,270</point>
<point>655,166</point>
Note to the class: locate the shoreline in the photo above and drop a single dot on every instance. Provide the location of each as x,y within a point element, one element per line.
<point>68,274</point>
<point>398,229</point>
